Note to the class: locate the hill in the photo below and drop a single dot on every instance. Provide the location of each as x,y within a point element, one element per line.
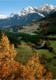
<point>47,25</point>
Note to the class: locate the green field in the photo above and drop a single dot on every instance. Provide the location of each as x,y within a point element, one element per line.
<point>24,52</point>
<point>50,58</point>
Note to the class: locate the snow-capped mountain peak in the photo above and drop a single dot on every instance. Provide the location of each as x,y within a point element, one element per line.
<point>27,10</point>
<point>3,16</point>
<point>27,15</point>
<point>47,7</point>
<point>44,8</point>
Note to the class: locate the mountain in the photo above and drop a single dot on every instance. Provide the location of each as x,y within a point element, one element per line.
<point>48,24</point>
<point>3,16</point>
<point>27,16</point>
<point>42,10</point>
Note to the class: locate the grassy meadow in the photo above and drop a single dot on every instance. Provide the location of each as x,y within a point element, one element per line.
<point>24,52</point>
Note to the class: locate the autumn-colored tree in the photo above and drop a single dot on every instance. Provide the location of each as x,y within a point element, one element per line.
<point>39,71</point>
<point>13,70</point>
<point>9,68</point>
<point>6,50</point>
<point>7,54</point>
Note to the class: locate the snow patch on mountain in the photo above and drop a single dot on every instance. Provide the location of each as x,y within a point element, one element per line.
<point>27,15</point>
<point>42,9</point>
<point>47,8</point>
<point>27,10</point>
<point>3,16</point>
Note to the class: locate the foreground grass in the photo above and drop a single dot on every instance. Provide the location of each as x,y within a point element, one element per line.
<point>24,52</point>
<point>51,58</point>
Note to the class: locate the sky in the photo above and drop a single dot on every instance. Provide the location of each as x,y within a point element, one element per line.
<point>9,6</point>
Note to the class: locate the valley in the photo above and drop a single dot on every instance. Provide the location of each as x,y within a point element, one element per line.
<point>28,44</point>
